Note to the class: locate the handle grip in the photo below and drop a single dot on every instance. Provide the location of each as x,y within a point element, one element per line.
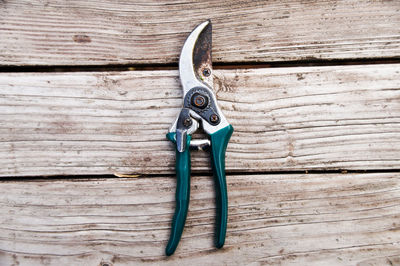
<point>219,142</point>
<point>182,194</point>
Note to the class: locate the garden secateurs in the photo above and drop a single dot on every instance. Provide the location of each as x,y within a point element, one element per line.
<point>199,109</point>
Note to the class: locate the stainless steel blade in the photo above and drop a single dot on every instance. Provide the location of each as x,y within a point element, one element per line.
<point>195,58</point>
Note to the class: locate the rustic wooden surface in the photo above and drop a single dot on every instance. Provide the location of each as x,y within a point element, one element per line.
<point>342,117</point>
<point>77,121</point>
<point>314,219</point>
<point>102,32</point>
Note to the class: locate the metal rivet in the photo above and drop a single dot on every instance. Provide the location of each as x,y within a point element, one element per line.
<point>187,122</point>
<point>214,118</point>
<point>206,72</point>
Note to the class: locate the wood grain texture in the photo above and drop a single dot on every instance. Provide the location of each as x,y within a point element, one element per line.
<point>284,119</point>
<point>315,219</point>
<point>104,32</point>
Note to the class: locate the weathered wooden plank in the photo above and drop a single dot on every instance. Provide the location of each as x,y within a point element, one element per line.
<point>284,118</point>
<point>314,219</point>
<point>135,32</point>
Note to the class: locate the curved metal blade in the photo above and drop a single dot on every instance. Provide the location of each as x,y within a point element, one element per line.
<point>195,60</point>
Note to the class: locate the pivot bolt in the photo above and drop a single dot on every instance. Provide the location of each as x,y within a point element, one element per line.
<point>199,101</point>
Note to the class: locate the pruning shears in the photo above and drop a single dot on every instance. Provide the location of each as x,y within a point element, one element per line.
<point>199,109</point>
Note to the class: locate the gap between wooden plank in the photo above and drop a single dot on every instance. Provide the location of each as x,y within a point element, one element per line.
<point>193,175</point>
<point>217,65</point>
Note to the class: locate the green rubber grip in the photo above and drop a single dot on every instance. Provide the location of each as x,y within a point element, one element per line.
<point>219,142</point>
<point>182,194</point>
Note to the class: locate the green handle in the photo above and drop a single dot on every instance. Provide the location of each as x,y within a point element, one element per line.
<point>219,142</point>
<point>182,194</point>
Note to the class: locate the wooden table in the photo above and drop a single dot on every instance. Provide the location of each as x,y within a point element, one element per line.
<point>89,89</point>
